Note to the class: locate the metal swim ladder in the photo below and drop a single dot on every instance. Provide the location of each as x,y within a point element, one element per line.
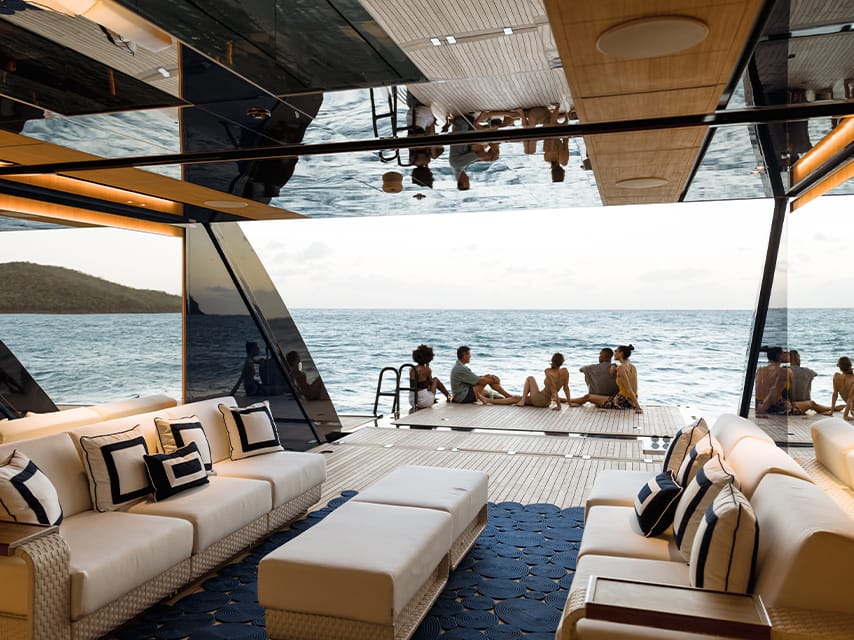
<point>386,155</point>
<point>381,393</point>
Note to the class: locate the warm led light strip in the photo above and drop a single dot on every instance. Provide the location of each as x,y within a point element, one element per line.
<point>840,137</point>
<point>845,172</point>
<point>65,213</point>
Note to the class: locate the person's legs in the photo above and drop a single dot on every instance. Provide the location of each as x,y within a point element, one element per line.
<point>437,384</point>
<point>529,386</point>
<point>494,383</point>
<point>597,399</point>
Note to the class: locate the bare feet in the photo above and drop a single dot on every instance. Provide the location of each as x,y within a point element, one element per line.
<point>521,403</point>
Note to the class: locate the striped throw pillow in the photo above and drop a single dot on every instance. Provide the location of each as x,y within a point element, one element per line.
<point>696,498</point>
<point>171,473</point>
<point>656,503</point>
<point>723,553</point>
<point>703,451</point>
<point>682,443</point>
<point>251,430</point>
<point>26,494</point>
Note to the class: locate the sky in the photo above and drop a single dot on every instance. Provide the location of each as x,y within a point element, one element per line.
<point>688,256</point>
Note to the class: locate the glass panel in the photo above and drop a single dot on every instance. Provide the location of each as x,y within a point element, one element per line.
<point>19,393</point>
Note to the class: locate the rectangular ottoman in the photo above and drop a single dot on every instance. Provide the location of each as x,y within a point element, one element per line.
<point>367,571</point>
<point>460,492</point>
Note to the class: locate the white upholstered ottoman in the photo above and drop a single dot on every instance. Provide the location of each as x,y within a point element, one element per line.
<point>460,492</point>
<point>366,571</point>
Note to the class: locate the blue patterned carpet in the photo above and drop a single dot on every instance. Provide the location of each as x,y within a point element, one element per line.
<point>513,584</point>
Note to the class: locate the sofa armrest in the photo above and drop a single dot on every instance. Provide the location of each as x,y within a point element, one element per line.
<point>14,535</point>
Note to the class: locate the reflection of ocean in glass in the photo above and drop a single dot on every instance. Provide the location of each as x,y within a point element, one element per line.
<point>683,357</point>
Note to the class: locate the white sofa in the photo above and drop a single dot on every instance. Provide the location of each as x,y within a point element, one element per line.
<point>803,565</point>
<point>102,568</point>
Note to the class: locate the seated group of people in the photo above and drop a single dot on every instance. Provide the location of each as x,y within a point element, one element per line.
<point>783,386</point>
<point>610,385</point>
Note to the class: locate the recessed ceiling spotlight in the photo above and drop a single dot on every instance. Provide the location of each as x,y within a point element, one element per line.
<point>163,71</point>
<point>451,39</point>
<point>652,37</point>
<point>508,31</point>
<point>647,182</point>
<point>435,42</point>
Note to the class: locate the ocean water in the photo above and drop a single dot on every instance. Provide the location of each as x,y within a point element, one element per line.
<point>689,358</point>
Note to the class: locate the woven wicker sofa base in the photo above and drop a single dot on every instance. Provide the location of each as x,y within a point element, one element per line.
<point>287,512</point>
<point>468,537</point>
<point>293,625</point>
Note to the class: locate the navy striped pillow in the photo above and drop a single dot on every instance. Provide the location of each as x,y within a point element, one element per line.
<point>723,553</point>
<point>683,442</point>
<point>703,451</point>
<point>26,494</point>
<point>171,473</point>
<point>656,503</point>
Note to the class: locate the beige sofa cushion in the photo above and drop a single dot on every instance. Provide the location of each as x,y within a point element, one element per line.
<point>614,531</point>
<point>362,562</point>
<point>290,473</point>
<point>112,553</point>
<point>42,424</point>
<point>216,509</point>
<point>806,546</point>
<point>751,459</point>
<point>131,406</point>
<point>729,429</point>
<point>616,487</point>
<point>833,438</point>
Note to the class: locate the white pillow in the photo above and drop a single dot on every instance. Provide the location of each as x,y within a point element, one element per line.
<point>179,432</point>
<point>251,430</point>
<point>703,451</point>
<point>115,468</point>
<point>26,494</point>
<point>723,553</point>
<point>696,498</point>
<point>683,441</point>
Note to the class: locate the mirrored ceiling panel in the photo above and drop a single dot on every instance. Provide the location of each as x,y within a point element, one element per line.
<point>731,168</point>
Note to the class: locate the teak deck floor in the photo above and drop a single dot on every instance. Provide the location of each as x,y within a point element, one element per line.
<point>656,420</point>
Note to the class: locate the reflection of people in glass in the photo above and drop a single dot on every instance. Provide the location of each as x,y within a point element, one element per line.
<point>772,381</point>
<point>313,390</point>
<point>250,376</point>
<point>799,392</point>
<point>843,385</point>
<point>463,155</point>
<point>421,121</point>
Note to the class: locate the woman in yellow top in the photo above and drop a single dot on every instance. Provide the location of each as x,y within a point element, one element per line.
<point>627,382</point>
<point>555,378</point>
<point>843,385</point>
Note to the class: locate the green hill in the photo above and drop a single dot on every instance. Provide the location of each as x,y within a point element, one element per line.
<point>26,287</point>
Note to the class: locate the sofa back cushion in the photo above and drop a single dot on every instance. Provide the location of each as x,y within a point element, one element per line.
<point>729,429</point>
<point>806,546</point>
<point>723,553</point>
<point>751,459</point>
<point>682,443</point>
<point>208,414</point>
<point>132,406</point>
<point>56,456</point>
<point>833,438</point>
<point>42,424</point>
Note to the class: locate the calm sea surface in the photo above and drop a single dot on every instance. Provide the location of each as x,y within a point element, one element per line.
<point>694,358</point>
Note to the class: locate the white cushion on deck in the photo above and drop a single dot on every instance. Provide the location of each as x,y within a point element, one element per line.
<point>614,531</point>
<point>216,509</point>
<point>363,562</point>
<point>291,473</point>
<point>460,492</point>
<point>115,552</point>
<point>833,438</point>
<point>616,488</point>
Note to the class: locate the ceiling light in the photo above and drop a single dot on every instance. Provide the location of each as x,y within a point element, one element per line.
<point>163,71</point>
<point>435,42</point>
<point>647,182</point>
<point>652,37</point>
<point>451,39</point>
<point>508,31</point>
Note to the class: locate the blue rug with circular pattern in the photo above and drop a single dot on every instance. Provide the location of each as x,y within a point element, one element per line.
<point>513,584</point>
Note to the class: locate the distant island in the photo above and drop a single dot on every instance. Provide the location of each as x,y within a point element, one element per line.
<point>26,287</point>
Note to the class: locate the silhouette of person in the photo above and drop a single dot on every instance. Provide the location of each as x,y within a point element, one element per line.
<point>313,390</point>
<point>250,376</point>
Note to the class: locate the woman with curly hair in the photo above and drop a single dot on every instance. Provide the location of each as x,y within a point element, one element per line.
<point>426,384</point>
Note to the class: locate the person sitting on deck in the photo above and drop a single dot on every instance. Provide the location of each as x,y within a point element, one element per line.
<point>467,386</point>
<point>425,384</point>
<point>799,392</point>
<point>463,155</point>
<point>843,385</point>
<point>627,384</point>
<point>556,377</point>
<point>600,378</point>
<point>772,381</point>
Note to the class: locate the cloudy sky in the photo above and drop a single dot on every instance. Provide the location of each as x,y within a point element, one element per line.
<point>692,256</point>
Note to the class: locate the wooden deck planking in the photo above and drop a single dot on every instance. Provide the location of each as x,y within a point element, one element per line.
<point>657,420</point>
<point>787,429</point>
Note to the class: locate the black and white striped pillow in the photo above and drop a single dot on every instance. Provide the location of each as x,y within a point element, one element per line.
<point>114,467</point>
<point>723,554</point>
<point>251,430</point>
<point>682,443</point>
<point>171,473</point>
<point>703,451</point>
<point>180,432</point>
<point>26,494</point>
<point>656,503</point>
<point>696,498</point>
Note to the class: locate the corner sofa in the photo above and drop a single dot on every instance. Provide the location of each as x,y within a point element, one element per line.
<point>100,568</point>
<point>833,466</point>
<point>804,548</point>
